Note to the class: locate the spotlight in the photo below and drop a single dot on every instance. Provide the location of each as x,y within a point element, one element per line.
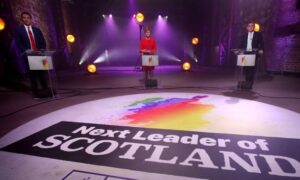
<point>195,41</point>
<point>70,38</point>
<point>159,16</point>
<point>91,68</point>
<point>139,17</point>
<point>167,55</point>
<point>2,24</point>
<point>166,17</point>
<point>103,57</point>
<point>256,27</point>
<point>104,16</point>
<point>110,15</point>
<point>186,66</point>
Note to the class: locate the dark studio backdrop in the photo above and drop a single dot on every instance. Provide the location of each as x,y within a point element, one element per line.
<point>114,41</point>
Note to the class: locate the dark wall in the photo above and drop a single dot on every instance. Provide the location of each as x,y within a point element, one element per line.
<point>286,41</point>
<point>7,66</point>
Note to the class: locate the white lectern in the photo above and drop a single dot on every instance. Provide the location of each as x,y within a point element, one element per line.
<point>246,63</point>
<point>150,60</point>
<point>246,60</point>
<point>42,60</point>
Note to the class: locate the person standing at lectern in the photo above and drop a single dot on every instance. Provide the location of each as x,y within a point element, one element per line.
<point>31,38</point>
<point>252,43</point>
<point>148,47</point>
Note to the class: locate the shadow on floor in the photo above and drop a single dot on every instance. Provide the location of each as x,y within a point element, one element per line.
<point>244,94</point>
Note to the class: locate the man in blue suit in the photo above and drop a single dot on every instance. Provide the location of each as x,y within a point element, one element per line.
<point>29,37</point>
<point>252,42</point>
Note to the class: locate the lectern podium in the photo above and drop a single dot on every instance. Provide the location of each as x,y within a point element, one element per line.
<point>42,61</point>
<point>246,61</point>
<point>150,60</point>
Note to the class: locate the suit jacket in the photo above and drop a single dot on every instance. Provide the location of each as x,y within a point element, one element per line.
<point>22,39</point>
<point>257,41</point>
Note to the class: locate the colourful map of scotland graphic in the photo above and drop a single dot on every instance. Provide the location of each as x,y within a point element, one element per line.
<point>171,113</point>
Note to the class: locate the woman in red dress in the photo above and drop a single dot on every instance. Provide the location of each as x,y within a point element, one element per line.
<point>147,47</point>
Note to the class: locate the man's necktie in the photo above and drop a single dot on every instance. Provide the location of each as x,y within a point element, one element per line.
<point>31,38</point>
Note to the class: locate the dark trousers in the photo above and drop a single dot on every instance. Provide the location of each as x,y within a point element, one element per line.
<point>249,71</point>
<point>37,78</point>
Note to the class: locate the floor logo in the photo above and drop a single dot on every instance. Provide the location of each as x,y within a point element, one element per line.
<point>163,135</point>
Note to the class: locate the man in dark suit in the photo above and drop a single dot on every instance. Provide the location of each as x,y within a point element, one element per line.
<point>29,37</point>
<point>252,42</point>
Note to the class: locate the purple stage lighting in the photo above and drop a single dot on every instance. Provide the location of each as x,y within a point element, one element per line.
<point>192,55</point>
<point>168,56</point>
<point>132,6</point>
<point>169,45</point>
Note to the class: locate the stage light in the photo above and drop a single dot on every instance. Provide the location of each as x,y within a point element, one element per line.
<point>166,17</point>
<point>139,17</point>
<point>103,57</point>
<point>195,41</point>
<point>168,56</point>
<point>91,68</point>
<point>104,16</point>
<point>2,24</point>
<point>70,38</point>
<point>186,66</point>
<point>110,15</point>
<point>256,27</point>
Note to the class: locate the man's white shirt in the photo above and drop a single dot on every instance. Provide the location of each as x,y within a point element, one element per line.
<point>249,41</point>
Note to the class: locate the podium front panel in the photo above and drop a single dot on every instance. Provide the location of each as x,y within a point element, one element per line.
<point>246,60</point>
<point>40,62</point>
<point>150,60</point>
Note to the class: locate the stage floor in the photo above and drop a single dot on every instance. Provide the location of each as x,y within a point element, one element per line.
<point>194,125</point>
